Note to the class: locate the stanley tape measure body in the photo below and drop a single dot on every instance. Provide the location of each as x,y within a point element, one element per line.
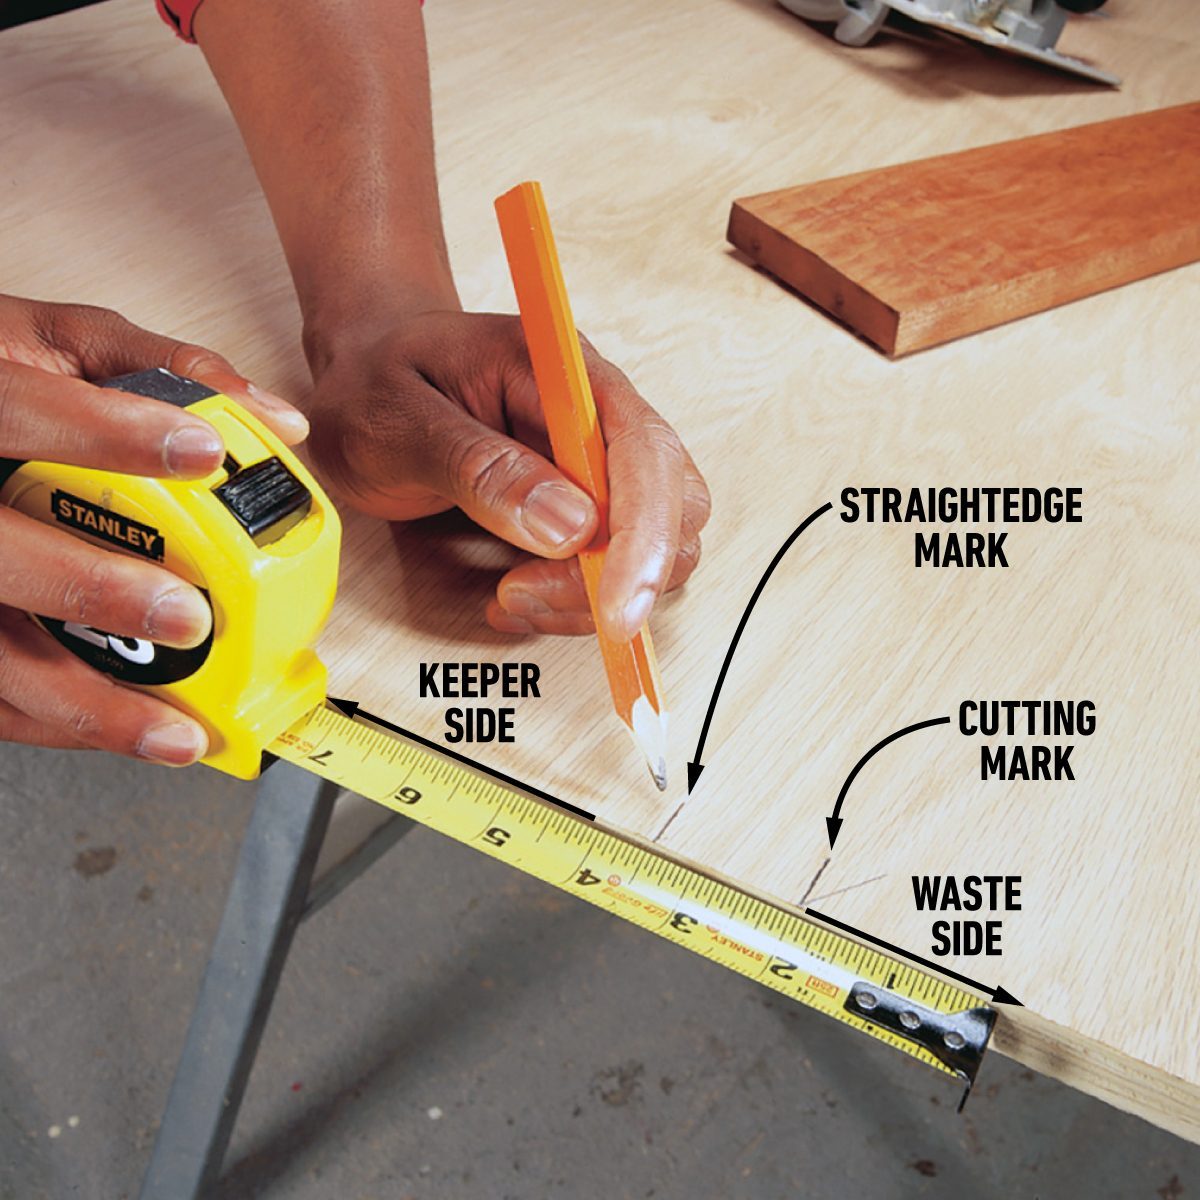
<point>261,539</point>
<point>258,537</point>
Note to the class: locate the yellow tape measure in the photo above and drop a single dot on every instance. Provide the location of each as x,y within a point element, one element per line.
<point>258,537</point>
<point>940,1024</point>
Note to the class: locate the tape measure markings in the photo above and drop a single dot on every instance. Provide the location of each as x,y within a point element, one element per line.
<point>780,949</point>
<point>351,711</point>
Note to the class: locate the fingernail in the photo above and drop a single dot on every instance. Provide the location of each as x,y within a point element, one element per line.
<point>176,744</point>
<point>505,622</point>
<point>555,514</point>
<point>285,413</point>
<point>192,450</point>
<point>634,614</point>
<point>522,603</point>
<point>179,617</point>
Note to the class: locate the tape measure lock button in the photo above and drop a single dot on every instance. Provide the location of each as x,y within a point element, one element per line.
<point>265,499</point>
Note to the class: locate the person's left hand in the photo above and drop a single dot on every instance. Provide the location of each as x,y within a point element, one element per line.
<point>442,410</point>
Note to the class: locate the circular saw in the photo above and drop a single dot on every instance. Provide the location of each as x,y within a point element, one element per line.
<point>1027,27</point>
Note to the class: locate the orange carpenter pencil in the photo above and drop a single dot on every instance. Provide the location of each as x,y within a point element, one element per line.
<point>578,446</point>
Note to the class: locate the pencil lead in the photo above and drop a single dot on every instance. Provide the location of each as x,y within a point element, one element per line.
<point>649,729</point>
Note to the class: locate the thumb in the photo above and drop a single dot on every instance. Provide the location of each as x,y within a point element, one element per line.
<point>105,344</point>
<point>506,487</point>
<point>286,421</point>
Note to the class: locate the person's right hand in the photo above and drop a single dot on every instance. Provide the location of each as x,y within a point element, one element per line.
<point>49,411</point>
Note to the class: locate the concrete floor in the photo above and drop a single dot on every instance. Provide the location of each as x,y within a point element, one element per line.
<point>495,1041</point>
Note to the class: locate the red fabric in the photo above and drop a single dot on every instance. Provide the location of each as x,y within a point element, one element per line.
<point>179,14</point>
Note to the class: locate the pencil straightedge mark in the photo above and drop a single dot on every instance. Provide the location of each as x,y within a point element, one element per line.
<point>672,817</point>
<point>812,883</point>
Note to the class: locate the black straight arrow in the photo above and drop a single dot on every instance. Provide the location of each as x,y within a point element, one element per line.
<point>695,767</point>
<point>834,823</point>
<point>351,709</point>
<point>998,994</point>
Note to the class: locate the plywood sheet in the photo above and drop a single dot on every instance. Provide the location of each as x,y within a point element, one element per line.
<point>922,252</point>
<point>640,143</point>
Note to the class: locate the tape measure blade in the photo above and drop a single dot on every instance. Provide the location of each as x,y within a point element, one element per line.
<point>759,939</point>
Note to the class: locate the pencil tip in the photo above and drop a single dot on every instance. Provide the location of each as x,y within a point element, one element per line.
<point>649,729</point>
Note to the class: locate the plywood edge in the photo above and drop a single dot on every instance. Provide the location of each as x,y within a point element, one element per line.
<point>1126,1083</point>
<point>808,273</point>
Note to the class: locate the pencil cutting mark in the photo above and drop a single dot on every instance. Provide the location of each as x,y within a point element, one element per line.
<point>848,888</point>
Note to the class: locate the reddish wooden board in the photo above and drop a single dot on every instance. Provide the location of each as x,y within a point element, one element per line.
<point>917,254</point>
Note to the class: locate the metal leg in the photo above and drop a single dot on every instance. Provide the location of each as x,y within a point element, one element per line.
<point>330,884</point>
<point>265,903</point>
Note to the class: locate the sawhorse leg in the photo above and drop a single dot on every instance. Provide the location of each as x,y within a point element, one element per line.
<point>272,890</point>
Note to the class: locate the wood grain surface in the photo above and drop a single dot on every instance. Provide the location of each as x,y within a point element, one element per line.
<point>124,184</point>
<point>918,253</point>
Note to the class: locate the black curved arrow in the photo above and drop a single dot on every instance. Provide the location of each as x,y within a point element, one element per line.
<point>834,823</point>
<point>695,767</point>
